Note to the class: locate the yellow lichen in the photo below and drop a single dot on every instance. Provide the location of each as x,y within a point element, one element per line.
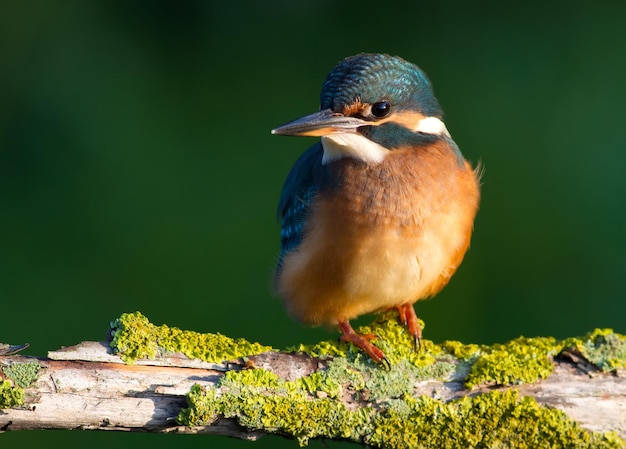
<point>134,337</point>
<point>462,351</point>
<point>252,377</point>
<point>390,415</point>
<point>603,348</point>
<point>523,360</point>
<point>526,360</point>
<point>10,395</point>
<point>497,419</point>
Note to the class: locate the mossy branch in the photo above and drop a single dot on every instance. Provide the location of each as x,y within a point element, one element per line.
<point>531,392</point>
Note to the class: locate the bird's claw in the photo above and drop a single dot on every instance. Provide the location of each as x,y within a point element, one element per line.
<point>409,319</point>
<point>363,341</point>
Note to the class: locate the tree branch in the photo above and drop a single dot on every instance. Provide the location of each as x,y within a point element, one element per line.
<point>89,387</point>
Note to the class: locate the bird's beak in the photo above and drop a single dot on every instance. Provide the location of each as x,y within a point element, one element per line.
<point>320,123</point>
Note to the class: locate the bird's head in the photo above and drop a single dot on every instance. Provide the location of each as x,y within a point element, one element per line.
<point>372,104</point>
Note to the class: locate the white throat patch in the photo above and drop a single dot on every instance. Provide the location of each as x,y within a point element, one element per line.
<point>356,146</point>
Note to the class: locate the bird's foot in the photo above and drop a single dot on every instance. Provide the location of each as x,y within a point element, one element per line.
<point>409,319</point>
<point>363,341</point>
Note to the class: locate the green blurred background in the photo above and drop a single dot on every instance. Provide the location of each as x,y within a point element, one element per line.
<point>137,171</point>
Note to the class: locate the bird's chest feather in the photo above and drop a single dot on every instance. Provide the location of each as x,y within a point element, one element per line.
<point>385,234</point>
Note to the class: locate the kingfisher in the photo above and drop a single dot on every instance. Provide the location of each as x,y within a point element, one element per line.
<point>379,212</point>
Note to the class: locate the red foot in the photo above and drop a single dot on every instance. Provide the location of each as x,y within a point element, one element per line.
<point>363,341</point>
<point>409,319</point>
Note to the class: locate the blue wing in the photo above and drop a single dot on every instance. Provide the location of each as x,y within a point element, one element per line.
<point>301,186</point>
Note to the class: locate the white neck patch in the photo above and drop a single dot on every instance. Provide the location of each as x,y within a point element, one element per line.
<point>432,125</point>
<point>356,146</point>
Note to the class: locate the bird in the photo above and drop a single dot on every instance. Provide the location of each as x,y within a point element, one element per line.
<point>377,214</point>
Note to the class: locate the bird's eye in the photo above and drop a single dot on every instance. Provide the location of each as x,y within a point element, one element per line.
<point>381,109</point>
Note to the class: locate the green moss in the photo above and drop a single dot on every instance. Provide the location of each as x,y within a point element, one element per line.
<point>19,376</point>
<point>258,399</point>
<point>313,407</point>
<point>204,407</point>
<point>343,372</point>
<point>295,413</point>
<point>497,419</point>
<point>526,360</point>
<point>134,337</point>
<point>259,377</point>
<point>323,349</point>
<point>523,360</point>
<point>320,384</point>
<point>467,352</point>
<point>23,374</point>
<point>408,366</point>
<point>10,395</point>
<point>260,380</point>
<point>603,348</point>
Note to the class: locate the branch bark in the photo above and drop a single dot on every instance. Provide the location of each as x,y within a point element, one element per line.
<point>88,387</point>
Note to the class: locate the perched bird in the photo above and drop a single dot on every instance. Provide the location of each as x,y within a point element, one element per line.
<point>379,213</point>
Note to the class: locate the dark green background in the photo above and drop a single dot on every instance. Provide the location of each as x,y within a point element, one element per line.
<point>137,171</point>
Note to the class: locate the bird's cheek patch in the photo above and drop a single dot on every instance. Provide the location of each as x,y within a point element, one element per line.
<point>418,122</point>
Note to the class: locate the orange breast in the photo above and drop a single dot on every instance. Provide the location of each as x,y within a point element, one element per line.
<point>387,234</point>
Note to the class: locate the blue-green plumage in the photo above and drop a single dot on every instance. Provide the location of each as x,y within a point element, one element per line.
<point>301,186</point>
<point>372,77</point>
